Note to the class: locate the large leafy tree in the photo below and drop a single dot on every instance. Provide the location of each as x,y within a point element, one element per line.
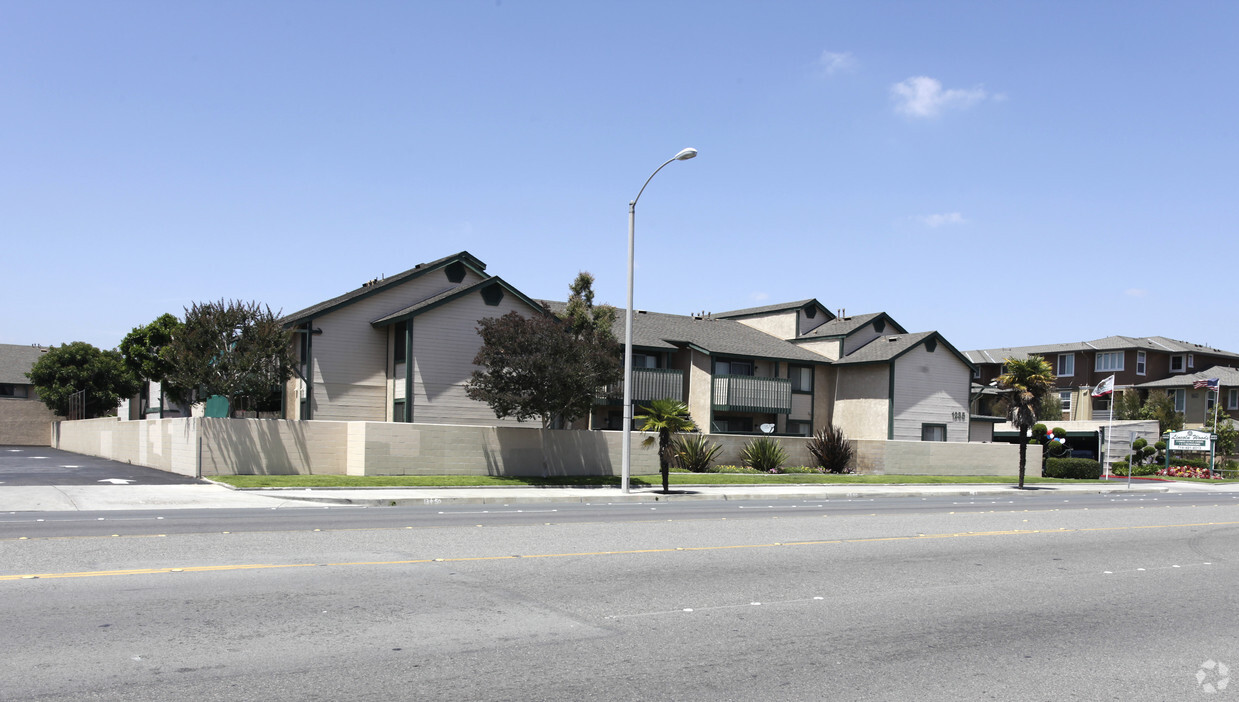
<point>1160,406</point>
<point>148,353</point>
<point>545,367</point>
<point>666,418</point>
<point>1026,381</point>
<point>238,350</point>
<point>76,367</point>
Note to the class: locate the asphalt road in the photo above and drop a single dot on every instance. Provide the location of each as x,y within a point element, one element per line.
<point>22,466</point>
<point>1130,601</point>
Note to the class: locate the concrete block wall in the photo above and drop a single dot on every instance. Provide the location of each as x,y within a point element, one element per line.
<point>276,446</point>
<point>25,422</point>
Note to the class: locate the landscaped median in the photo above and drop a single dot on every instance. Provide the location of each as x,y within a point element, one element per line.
<point>654,480</point>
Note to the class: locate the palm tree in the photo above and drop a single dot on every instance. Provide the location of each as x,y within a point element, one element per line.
<point>667,417</point>
<point>1027,380</point>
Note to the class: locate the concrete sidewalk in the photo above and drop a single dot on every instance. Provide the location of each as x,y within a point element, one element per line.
<point>215,496</point>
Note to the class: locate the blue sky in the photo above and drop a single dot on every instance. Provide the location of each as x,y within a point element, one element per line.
<point>1005,173</point>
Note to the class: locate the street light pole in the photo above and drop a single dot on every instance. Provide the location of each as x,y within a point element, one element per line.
<point>626,459</point>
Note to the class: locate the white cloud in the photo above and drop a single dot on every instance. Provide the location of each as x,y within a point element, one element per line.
<point>922,96</point>
<point>1135,292</point>
<point>833,62</point>
<point>934,221</point>
<point>759,296</point>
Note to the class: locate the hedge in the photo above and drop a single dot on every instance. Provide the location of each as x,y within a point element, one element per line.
<point>1076,468</point>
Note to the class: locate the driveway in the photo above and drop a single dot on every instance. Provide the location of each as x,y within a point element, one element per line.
<point>27,466</point>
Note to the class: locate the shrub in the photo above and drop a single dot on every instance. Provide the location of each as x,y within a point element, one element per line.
<point>694,453</point>
<point>1120,468</point>
<point>764,455</point>
<point>801,469</point>
<point>730,469</point>
<point>1189,472</point>
<point>1075,468</point>
<point>832,449</point>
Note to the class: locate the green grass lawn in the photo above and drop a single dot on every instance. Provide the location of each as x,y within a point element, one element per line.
<point>310,481</point>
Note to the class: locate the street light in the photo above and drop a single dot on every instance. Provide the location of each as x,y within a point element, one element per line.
<point>626,460</point>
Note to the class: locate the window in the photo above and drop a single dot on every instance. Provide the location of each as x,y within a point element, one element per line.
<point>397,411</point>
<point>1232,399</point>
<point>13,390</point>
<point>400,332</point>
<point>1180,399</point>
<point>1141,362</point>
<point>1210,400</point>
<point>733,368</point>
<point>798,428</point>
<point>1191,361</point>
<point>644,360</point>
<point>1066,364</point>
<point>734,424</point>
<point>1064,396</point>
<point>933,432</point>
<point>1176,364</point>
<point>802,378</point>
<point>1109,361</point>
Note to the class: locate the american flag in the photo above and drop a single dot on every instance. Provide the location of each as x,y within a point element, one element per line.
<point>1205,384</point>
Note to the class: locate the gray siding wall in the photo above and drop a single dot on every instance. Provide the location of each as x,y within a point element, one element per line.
<point>445,342</point>
<point>350,357</point>
<point>929,388</point>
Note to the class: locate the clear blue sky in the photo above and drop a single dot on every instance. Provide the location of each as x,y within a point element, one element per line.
<point>1005,173</point>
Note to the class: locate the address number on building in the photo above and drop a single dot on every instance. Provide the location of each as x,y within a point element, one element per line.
<point>959,416</point>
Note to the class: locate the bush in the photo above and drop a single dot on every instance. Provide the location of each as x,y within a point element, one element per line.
<point>832,449</point>
<point>694,453</point>
<point>1189,462</point>
<point>1074,468</point>
<point>801,469</point>
<point>763,454</point>
<point>730,469</point>
<point>1120,468</point>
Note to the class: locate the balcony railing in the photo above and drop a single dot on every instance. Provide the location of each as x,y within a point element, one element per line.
<point>647,384</point>
<point>747,393</point>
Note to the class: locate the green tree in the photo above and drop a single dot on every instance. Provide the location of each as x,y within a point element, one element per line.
<point>1160,406</point>
<point>1227,435</point>
<point>1127,404</point>
<point>1026,382</point>
<point>666,417</point>
<point>542,366</point>
<point>148,354</point>
<point>235,349</point>
<point>1050,408</point>
<point>78,366</point>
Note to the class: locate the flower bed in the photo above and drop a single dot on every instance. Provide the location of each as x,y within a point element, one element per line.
<point>1189,472</point>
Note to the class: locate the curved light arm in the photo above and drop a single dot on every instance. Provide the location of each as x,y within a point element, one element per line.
<point>684,155</point>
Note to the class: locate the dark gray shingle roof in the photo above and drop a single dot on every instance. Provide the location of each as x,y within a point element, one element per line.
<point>780,307</point>
<point>1227,378</point>
<point>418,270</point>
<point>16,360</point>
<point>1109,343</point>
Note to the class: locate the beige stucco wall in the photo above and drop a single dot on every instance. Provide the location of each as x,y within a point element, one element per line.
<point>273,446</point>
<point>700,387</point>
<point>943,458</point>
<point>25,422</point>
<point>862,407</point>
<point>778,324</point>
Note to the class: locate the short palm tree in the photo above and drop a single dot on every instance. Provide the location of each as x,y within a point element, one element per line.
<point>1027,380</point>
<point>667,417</point>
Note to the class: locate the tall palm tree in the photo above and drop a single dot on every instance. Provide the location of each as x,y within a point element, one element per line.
<point>1028,380</point>
<point>667,417</point>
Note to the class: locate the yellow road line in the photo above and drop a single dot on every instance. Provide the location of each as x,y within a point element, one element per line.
<point>461,559</point>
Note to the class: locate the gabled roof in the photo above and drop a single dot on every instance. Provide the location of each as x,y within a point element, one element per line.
<point>1227,378</point>
<point>452,293</point>
<point>368,289</point>
<point>888,347</point>
<point>709,334</point>
<point>16,360</point>
<point>1109,343</point>
<point>845,326</point>
<point>767,309</point>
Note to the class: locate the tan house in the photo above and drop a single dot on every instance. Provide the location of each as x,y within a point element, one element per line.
<point>401,349</point>
<point>24,419</point>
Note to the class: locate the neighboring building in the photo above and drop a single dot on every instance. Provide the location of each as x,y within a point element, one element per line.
<point>1197,403</point>
<point>401,349</point>
<point>1135,362</point>
<point>24,419</point>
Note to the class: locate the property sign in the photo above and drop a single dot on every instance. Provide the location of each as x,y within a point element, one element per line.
<point>1190,440</point>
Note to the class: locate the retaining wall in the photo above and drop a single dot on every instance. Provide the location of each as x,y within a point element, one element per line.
<point>211,446</point>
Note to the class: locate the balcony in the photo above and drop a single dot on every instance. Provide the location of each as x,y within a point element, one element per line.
<point>647,384</point>
<point>747,393</point>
